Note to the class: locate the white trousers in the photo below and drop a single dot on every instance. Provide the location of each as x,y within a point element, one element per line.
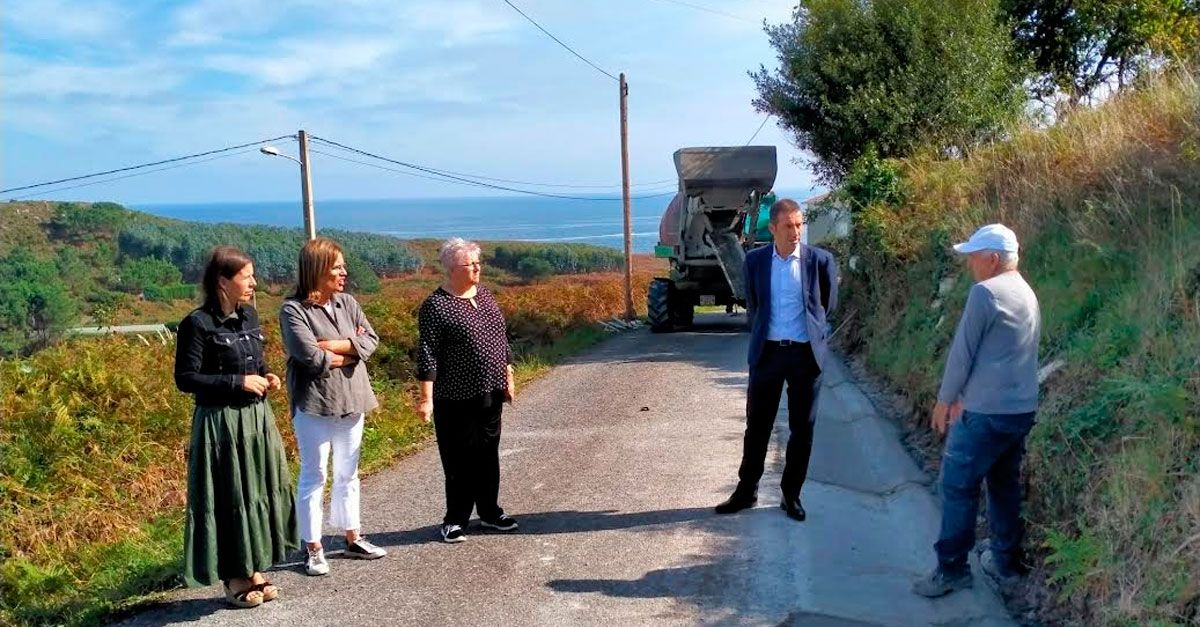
<point>317,437</point>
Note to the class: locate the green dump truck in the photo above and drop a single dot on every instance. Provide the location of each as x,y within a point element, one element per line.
<point>707,229</point>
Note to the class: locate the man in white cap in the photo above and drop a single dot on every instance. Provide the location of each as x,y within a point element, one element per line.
<point>991,382</point>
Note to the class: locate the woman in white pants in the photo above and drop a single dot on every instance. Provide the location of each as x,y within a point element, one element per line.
<point>328,339</point>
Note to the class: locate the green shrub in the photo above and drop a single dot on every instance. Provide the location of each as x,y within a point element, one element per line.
<point>561,258</point>
<point>274,249</point>
<point>35,304</point>
<point>107,305</point>
<point>531,268</point>
<point>88,222</point>
<point>362,278</point>
<point>872,180</point>
<point>138,274</point>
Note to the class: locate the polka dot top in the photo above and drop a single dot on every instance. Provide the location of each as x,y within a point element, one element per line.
<point>463,347</point>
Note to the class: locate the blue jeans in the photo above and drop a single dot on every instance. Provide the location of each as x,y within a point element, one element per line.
<point>982,446</point>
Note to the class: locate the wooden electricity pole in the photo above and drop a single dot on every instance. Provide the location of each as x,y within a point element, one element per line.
<point>310,220</point>
<point>629,315</point>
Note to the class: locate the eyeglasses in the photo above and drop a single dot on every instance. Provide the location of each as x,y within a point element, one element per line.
<point>473,264</point>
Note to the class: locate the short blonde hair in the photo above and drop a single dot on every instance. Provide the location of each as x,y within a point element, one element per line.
<point>451,249</point>
<point>316,262</point>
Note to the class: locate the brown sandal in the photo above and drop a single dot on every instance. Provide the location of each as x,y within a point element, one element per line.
<point>269,591</point>
<point>250,597</point>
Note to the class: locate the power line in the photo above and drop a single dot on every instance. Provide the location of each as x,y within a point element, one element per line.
<point>143,165</point>
<point>380,167</point>
<point>481,177</point>
<point>760,128</point>
<point>709,10</point>
<point>441,179</point>
<point>559,41</point>
<point>452,179</point>
<point>141,173</point>
<point>459,179</point>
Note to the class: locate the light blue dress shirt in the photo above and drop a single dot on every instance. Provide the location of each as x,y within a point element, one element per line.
<point>788,315</point>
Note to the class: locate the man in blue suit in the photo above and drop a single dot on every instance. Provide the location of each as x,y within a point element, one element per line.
<point>790,290</point>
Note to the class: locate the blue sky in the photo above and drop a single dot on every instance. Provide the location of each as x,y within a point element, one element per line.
<point>465,85</point>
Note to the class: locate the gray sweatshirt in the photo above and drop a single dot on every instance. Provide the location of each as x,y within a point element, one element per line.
<point>993,360</point>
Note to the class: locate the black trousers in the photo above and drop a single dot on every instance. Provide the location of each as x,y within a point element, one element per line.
<point>468,438</point>
<point>795,365</point>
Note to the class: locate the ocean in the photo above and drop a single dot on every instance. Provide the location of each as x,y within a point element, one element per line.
<point>530,219</point>
<point>536,219</point>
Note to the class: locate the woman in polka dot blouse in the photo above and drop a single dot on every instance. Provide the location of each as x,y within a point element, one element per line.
<point>464,364</point>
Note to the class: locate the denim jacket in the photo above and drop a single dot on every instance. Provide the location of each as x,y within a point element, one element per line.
<point>214,353</point>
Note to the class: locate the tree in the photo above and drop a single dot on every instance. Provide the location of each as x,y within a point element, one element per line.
<point>534,268</point>
<point>138,274</point>
<point>890,75</point>
<point>361,277</point>
<point>1077,46</point>
<point>87,222</point>
<point>34,302</point>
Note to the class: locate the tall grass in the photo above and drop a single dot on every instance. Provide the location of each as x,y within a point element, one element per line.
<point>1107,206</point>
<point>94,435</point>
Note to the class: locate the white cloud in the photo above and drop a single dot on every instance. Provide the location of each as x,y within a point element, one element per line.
<point>459,23</point>
<point>56,19</point>
<point>36,79</point>
<point>299,61</point>
<point>447,23</point>
<point>442,84</point>
<point>209,22</point>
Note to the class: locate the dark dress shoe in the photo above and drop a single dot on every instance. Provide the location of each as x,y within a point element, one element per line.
<point>792,507</point>
<point>736,503</point>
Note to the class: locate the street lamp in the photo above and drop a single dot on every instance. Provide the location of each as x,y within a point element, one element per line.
<point>310,222</point>
<point>274,152</point>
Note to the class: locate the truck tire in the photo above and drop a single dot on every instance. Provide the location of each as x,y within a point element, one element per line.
<point>658,306</point>
<point>682,313</point>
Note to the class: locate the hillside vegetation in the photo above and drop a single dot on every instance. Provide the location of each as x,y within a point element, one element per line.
<point>1107,206</point>
<point>72,264</point>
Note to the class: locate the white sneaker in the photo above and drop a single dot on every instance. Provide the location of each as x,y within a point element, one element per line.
<point>315,564</point>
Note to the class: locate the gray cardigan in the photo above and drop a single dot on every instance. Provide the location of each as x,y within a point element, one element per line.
<point>314,386</point>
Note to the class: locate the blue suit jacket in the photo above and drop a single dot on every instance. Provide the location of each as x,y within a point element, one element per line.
<point>820,283</point>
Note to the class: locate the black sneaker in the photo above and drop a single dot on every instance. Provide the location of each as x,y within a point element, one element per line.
<point>503,523</point>
<point>363,550</point>
<point>453,534</point>
<point>996,569</point>
<point>939,583</point>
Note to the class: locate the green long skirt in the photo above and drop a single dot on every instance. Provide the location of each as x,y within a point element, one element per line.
<point>241,510</point>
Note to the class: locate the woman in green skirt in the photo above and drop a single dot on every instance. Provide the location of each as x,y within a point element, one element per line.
<point>241,514</point>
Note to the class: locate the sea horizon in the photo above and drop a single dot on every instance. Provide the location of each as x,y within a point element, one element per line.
<point>598,221</point>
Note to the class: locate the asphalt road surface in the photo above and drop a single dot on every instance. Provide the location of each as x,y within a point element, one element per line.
<point>612,464</point>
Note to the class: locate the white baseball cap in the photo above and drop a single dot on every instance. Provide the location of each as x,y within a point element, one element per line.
<point>990,237</point>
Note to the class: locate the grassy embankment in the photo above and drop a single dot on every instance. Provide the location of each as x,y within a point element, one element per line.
<point>94,434</point>
<point>1107,204</point>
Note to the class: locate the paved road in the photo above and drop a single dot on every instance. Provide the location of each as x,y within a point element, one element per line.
<point>612,464</point>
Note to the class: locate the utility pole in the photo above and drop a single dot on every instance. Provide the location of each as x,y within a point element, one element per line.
<point>310,220</point>
<point>629,315</point>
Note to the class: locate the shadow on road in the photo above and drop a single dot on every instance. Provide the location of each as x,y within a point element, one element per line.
<point>567,521</point>
<point>733,584</point>
<point>691,584</point>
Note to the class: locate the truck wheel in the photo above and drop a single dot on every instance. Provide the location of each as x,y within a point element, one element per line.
<point>658,306</point>
<point>682,313</point>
